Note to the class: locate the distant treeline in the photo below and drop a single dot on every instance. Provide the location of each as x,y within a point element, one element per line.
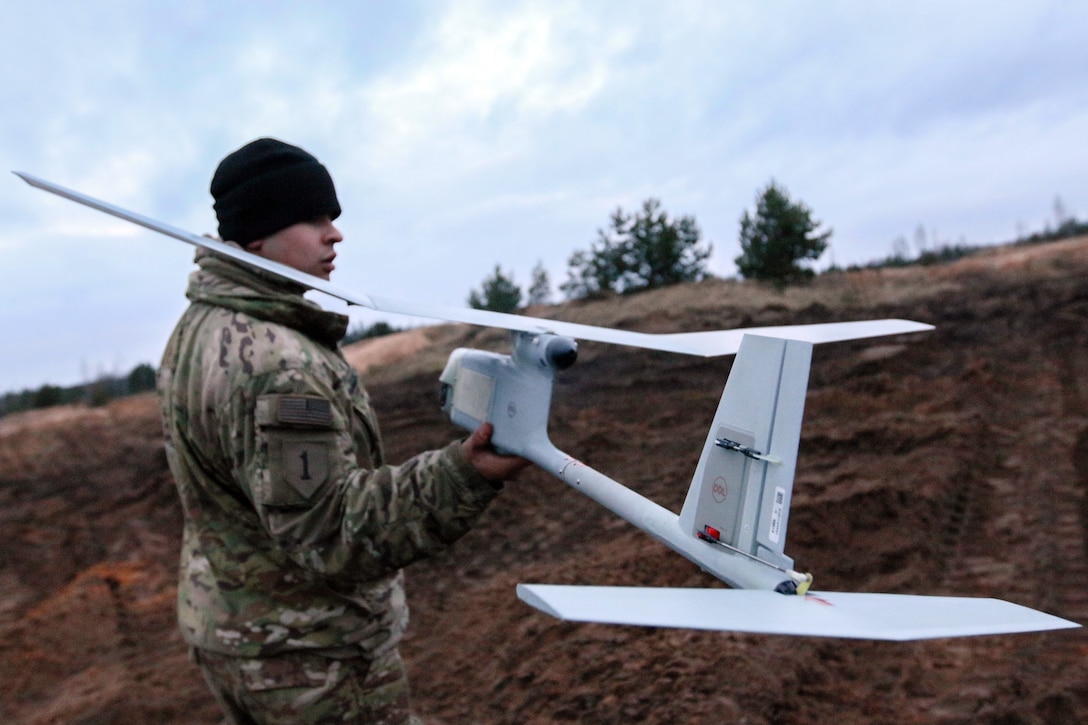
<point>929,251</point>
<point>99,392</point>
<point>1069,228</point>
<point>362,331</point>
<point>139,380</point>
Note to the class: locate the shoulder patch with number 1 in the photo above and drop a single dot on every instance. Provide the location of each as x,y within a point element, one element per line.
<point>305,465</point>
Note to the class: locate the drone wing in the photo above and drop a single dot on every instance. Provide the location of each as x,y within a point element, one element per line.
<point>896,617</point>
<point>705,344</point>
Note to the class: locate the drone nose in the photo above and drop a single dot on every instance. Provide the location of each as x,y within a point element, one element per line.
<point>561,352</point>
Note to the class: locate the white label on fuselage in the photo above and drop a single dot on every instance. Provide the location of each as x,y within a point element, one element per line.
<point>473,393</point>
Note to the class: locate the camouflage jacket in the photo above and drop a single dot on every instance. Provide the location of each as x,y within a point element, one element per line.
<point>295,527</point>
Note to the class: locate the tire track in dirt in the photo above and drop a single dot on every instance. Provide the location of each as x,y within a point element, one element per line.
<point>1025,492</point>
<point>1063,504</point>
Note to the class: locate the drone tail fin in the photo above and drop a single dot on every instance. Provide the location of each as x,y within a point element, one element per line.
<point>740,494</point>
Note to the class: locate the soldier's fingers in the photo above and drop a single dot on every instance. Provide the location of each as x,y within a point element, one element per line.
<point>481,437</point>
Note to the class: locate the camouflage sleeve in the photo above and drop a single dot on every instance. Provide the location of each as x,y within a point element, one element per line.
<point>298,464</point>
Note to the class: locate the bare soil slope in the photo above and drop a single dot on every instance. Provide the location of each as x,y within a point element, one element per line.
<point>954,462</point>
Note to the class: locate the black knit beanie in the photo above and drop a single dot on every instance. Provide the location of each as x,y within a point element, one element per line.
<point>268,185</point>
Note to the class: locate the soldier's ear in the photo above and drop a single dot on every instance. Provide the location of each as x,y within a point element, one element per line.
<point>255,246</point>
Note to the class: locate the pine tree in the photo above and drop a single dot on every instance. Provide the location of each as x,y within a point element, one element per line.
<point>639,251</point>
<point>498,293</point>
<point>540,290</point>
<point>780,236</point>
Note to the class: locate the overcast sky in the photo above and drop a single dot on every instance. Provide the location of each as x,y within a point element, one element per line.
<point>465,134</point>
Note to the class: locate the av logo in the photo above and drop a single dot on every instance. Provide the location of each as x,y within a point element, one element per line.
<point>719,489</point>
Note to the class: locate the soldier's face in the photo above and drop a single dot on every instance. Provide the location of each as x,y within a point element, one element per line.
<point>306,246</point>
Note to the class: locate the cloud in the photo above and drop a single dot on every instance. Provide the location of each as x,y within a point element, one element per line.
<point>462,134</point>
<point>485,79</point>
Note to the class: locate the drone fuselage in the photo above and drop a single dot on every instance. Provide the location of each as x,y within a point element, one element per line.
<point>513,393</point>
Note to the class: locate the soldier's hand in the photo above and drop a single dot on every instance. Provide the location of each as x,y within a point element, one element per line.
<point>491,465</point>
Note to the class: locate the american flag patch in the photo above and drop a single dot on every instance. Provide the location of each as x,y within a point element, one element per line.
<point>302,410</point>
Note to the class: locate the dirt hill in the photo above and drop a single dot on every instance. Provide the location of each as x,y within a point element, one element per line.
<point>953,462</point>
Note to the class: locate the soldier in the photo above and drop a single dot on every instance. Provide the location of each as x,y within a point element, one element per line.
<point>296,528</point>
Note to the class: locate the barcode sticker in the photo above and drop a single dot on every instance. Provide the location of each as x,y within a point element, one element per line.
<point>776,514</point>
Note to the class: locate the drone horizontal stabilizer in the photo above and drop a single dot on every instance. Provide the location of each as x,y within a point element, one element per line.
<point>708,343</point>
<point>895,617</point>
<point>704,344</point>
